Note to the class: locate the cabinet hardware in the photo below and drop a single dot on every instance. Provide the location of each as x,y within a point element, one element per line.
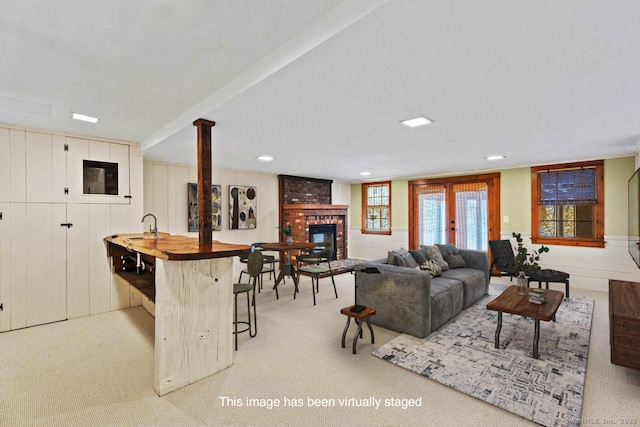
<point>1,307</point>
<point>127,197</point>
<point>66,224</point>
<point>0,216</point>
<point>66,190</point>
<point>66,147</point>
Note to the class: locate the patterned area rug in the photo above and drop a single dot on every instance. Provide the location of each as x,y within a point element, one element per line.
<point>461,355</point>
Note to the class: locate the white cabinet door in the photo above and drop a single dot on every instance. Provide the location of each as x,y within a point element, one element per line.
<point>17,166</point>
<point>59,165</point>
<point>78,272</point>
<point>46,173</point>
<point>119,153</point>
<point>77,151</point>
<point>5,267</point>
<point>18,292</point>
<point>5,165</point>
<point>100,273</point>
<point>39,166</point>
<point>80,150</point>
<point>46,276</point>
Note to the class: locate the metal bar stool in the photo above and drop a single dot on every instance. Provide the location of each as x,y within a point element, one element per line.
<point>254,268</point>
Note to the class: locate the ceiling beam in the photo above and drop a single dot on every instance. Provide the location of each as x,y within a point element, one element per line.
<point>341,17</point>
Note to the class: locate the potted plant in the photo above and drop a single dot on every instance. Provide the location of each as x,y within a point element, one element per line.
<point>524,261</point>
<point>286,230</point>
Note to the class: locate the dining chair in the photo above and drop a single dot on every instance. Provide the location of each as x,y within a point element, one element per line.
<point>313,267</point>
<point>269,266</point>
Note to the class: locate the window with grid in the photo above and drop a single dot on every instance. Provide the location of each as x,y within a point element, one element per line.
<point>568,204</point>
<point>376,208</point>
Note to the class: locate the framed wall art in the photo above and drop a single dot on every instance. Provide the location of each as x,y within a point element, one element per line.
<point>216,207</point>
<point>243,202</point>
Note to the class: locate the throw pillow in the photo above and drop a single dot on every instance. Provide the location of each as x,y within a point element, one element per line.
<point>432,267</point>
<point>433,253</point>
<point>455,261</point>
<point>448,250</point>
<point>409,261</point>
<point>391,258</point>
<point>398,257</point>
<point>419,255</point>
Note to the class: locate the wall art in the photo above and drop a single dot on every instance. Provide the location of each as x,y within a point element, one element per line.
<point>243,202</point>
<point>216,207</point>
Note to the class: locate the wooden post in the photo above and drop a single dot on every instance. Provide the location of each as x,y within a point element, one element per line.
<point>204,181</point>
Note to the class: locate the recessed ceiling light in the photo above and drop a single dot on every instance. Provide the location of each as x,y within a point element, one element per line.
<point>418,121</point>
<point>265,158</point>
<point>365,173</point>
<point>495,157</point>
<point>84,117</point>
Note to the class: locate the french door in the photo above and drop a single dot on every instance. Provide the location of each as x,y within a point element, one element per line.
<point>463,211</point>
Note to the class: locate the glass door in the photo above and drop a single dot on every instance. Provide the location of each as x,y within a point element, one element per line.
<point>463,211</point>
<point>470,227</point>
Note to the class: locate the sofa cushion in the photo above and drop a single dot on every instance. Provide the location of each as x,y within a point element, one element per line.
<point>473,282</point>
<point>455,261</point>
<point>447,300</point>
<point>434,253</point>
<point>394,257</point>
<point>419,255</point>
<point>447,250</point>
<point>401,258</point>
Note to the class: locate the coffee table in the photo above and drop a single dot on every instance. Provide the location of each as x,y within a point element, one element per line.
<point>510,302</point>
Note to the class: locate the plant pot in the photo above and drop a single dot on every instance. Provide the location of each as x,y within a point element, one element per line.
<point>289,240</point>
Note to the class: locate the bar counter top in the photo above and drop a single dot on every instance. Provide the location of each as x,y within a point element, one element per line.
<point>176,248</point>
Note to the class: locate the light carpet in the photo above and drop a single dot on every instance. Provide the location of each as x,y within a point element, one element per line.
<point>461,355</point>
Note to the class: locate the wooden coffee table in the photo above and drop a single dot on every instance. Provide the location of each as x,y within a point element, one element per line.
<point>510,302</point>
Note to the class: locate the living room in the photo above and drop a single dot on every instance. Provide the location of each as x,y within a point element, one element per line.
<point>321,88</point>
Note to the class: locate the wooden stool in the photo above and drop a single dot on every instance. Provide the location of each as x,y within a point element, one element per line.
<point>358,317</point>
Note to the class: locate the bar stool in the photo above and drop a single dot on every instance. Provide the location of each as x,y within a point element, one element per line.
<point>254,268</point>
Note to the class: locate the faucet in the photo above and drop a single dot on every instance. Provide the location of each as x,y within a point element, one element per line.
<point>155,224</point>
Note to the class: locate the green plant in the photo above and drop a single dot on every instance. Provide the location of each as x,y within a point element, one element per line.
<point>286,229</point>
<point>525,261</point>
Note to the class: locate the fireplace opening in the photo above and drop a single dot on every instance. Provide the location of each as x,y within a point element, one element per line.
<point>324,233</point>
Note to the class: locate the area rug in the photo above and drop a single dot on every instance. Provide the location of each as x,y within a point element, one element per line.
<point>461,355</point>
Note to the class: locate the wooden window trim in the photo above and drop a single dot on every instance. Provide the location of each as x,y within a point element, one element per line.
<point>598,240</point>
<point>364,205</point>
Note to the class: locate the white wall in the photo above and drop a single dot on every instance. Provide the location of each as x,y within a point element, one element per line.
<point>165,195</point>
<point>590,268</point>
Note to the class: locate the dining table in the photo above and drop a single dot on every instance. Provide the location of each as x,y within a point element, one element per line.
<point>287,268</point>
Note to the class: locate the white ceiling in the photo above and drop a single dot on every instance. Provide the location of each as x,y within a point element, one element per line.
<point>322,84</point>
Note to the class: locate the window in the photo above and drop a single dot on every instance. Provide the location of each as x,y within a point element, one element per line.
<point>376,208</point>
<point>568,204</point>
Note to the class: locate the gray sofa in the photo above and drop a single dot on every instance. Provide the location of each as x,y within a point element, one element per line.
<point>410,301</point>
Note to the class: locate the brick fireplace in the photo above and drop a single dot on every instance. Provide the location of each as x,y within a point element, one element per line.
<point>301,216</point>
<point>307,201</point>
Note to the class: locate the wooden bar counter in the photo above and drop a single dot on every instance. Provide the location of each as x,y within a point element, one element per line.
<point>192,289</point>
